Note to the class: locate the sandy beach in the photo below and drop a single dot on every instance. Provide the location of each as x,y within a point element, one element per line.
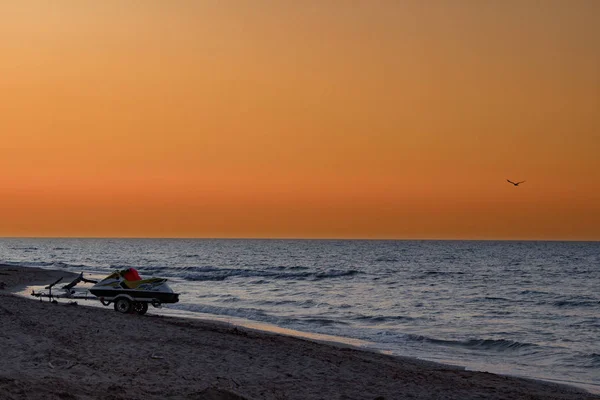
<point>61,351</point>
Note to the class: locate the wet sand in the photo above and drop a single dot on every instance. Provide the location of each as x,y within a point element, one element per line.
<point>61,351</point>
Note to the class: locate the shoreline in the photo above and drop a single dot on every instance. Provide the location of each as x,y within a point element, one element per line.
<point>62,350</point>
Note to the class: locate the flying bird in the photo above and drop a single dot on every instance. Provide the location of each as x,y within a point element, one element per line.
<point>515,183</point>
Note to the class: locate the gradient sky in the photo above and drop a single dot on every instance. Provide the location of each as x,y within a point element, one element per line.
<point>313,118</point>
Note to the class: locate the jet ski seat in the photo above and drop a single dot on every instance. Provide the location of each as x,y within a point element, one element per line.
<point>129,275</point>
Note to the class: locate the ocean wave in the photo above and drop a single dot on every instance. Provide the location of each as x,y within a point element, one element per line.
<point>576,303</point>
<point>49,264</point>
<point>591,360</point>
<point>252,314</point>
<point>382,318</point>
<point>387,259</point>
<point>302,303</point>
<point>284,268</point>
<point>201,278</point>
<point>64,265</point>
<point>534,292</point>
<point>231,299</point>
<point>585,360</point>
<point>482,344</point>
<point>427,274</point>
<point>54,264</point>
<point>333,273</point>
<point>259,282</point>
<point>493,298</point>
<point>321,321</point>
<point>260,315</point>
<point>28,263</point>
<point>209,273</point>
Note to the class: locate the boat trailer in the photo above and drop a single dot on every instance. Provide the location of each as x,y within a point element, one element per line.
<point>128,297</point>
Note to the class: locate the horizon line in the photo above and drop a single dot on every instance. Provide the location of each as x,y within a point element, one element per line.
<point>302,238</point>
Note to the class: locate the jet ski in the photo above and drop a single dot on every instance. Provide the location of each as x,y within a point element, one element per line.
<point>126,289</point>
<point>131,293</point>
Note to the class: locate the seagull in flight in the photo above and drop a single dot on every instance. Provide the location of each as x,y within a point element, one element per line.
<point>515,183</point>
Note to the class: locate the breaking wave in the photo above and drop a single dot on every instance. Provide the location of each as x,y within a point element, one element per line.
<point>43,264</point>
<point>209,273</point>
<point>483,344</point>
<point>382,318</point>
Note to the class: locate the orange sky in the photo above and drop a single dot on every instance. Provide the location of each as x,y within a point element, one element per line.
<point>313,118</point>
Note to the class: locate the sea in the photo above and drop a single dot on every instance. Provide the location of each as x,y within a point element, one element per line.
<point>521,308</point>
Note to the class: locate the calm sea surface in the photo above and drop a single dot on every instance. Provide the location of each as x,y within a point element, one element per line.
<point>521,308</point>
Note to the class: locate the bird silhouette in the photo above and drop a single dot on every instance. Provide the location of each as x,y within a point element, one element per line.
<point>514,183</point>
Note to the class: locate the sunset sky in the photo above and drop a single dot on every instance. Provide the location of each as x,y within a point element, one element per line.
<point>300,119</point>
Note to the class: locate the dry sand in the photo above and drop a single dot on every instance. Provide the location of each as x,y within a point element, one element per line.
<point>59,351</point>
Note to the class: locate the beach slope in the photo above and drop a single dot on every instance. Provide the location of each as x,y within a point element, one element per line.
<point>61,351</point>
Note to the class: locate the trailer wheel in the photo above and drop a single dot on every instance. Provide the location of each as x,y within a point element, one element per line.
<point>140,307</point>
<point>156,303</point>
<point>123,305</point>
